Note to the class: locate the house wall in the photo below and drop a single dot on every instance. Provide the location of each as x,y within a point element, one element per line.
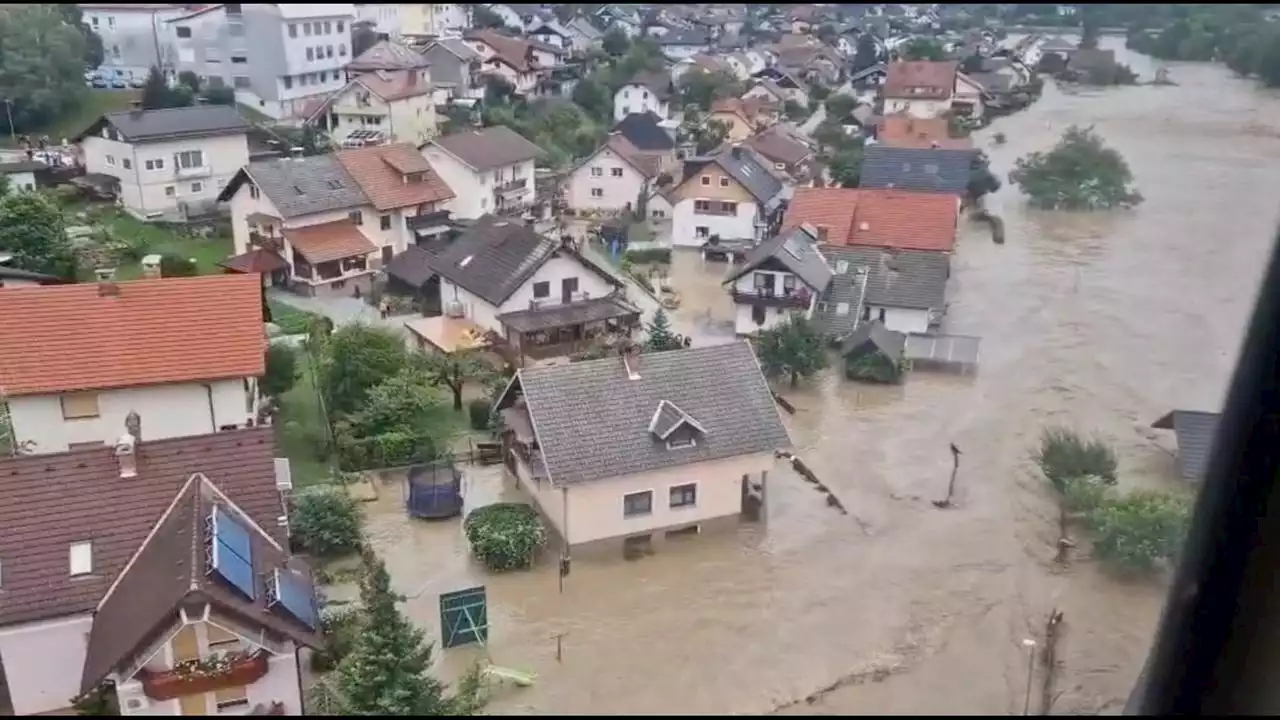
<point>744,324</point>
<point>483,313</point>
<point>966,91</point>
<point>448,68</point>
<point>144,192</point>
<point>133,38</point>
<point>739,128</point>
<point>42,662</point>
<point>904,320</point>
<point>171,410</point>
<point>551,38</point>
<point>685,220</point>
<point>917,108</point>
<point>385,17</point>
<point>632,98</point>
<point>21,180</point>
<point>474,190</point>
<point>411,119</point>
<point>617,192</point>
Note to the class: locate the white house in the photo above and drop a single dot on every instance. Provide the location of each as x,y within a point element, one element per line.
<point>167,163</point>
<point>779,278</point>
<point>382,106</point>
<point>613,178</point>
<point>523,64</point>
<point>644,92</point>
<point>383,17</point>
<point>106,594</point>
<point>489,170</point>
<point>551,32</point>
<point>967,98</point>
<point>438,19</point>
<point>183,352</point>
<point>905,290</point>
<point>508,15</point>
<point>131,44</point>
<point>692,437</point>
<point>22,175</point>
<point>732,196</point>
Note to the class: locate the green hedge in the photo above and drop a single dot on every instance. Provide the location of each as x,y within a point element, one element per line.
<point>478,411</point>
<point>649,256</point>
<point>505,536</point>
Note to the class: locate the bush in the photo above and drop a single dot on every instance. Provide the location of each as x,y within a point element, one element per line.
<point>1065,455</point>
<point>282,370</point>
<point>1085,493</point>
<point>648,256</point>
<point>172,265</point>
<point>1139,531</point>
<point>326,521</point>
<point>505,536</point>
<point>340,629</point>
<point>478,410</point>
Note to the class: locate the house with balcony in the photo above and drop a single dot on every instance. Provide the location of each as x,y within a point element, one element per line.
<point>281,58</point>
<point>732,195</point>
<point>779,278</point>
<point>535,298</point>
<point>525,65</point>
<point>920,88</point>
<point>455,68</point>
<point>489,169</point>
<point>185,352</point>
<point>406,195</point>
<point>308,220</point>
<point>167,164</point>
<point>681,441</point>
<point>381,106</point>
<point>167,576</point>
<point>645,92</point>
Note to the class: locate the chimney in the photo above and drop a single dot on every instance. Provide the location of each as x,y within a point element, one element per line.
<point>126,456</point>
<point>108,289</point>
<point>630,361</point>
<point>133,424</point>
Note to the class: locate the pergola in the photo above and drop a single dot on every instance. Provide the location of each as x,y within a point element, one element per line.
<point>557,330</point>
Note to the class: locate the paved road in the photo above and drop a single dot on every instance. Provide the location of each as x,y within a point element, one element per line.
<point>341,310</point>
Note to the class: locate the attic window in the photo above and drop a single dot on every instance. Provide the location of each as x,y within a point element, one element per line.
<point>81,557</point>
<point>298,190</point>
<point>466,261</point>
<point>842,267</point>
<point>334,184</point>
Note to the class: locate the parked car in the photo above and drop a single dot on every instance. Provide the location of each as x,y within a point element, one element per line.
<point>120,84</point>
<point>100,83</point>
<point>90,75</point>
<point>137,83</point>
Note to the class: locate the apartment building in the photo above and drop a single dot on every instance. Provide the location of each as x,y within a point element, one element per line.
<point>134,36</point>
<point>280,58</point>
<point>440,19</point>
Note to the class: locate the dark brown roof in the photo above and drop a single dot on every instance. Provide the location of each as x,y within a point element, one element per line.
<point>777,145</point>
<point>489,148</point>
<point>169,571</point>
<point>83,491</point>
<point>659,83</point>
<point>255,261</point>
<point>329,241</point>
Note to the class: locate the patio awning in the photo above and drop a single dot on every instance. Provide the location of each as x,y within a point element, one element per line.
<point>258,218</point>
<point>558,316</point>
<point>255,261</point>
<point>329,241</point>
<point>448,334</point>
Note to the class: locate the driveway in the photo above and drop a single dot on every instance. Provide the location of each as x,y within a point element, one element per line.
<point>341,310</point>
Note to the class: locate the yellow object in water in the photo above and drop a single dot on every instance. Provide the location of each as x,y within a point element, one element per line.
<point>523,679</point>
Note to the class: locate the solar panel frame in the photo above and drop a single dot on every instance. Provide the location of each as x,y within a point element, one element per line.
<point>229,533</point>
<point>296,598</point>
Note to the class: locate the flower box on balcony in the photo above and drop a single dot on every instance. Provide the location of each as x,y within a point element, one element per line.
<point>199,676</point>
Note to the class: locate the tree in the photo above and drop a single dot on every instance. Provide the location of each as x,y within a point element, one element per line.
<point>355,358</point>
<point>482,17</point>
<point>326,521</point>
<point>701,88</point>
<point>792,349</point>
<point>592,96</point>
<point>454,370</point>
<point>839,106</point>
<point>190,80</point>
<point>157,95</point>
<point>32,231</point>
<point>659,337</point>
<point>616,42</point>
<point>846,167</point>
<point>794,111</point>
<point>923,49</point>
<point>42,64</point>
<point>1140,530</point>
<point>505,536</point>
<point>1080,173</point>
<point>364,36</point>
<point>982,181</point>
<point>221,95</point>
<point>387,672</point>
<point>1064,454</point>
<point>93,51</point>
<point>866,52</point>
<point>402,420</point>
<point>281,372</point>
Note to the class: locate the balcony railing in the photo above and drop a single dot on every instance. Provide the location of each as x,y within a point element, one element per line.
<point>189,173</point>
<point>511,187</point>
<point>798,298</point>
<point>200,676</point>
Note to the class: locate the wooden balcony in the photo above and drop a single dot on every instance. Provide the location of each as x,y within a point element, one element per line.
<point>798,298</point>
<point>205,675</point>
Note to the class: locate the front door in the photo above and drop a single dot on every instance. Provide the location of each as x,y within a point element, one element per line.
<point>568,287</point>
<point>388,252</point>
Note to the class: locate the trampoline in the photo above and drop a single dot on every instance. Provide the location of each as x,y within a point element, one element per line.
<point>435,491</point>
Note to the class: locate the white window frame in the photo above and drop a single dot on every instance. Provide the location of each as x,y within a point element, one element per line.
<point>681,486</point>
<point>597,192</point>
<point>597,172</point>
<point>185,156</point>
<point>80,558</point>
<point>626,514</point>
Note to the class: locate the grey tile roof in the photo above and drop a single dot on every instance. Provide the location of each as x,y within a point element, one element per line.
<point>992,81</point>
<point>593,421</point>
<point>584,27</point>
<point>564,315</point>
<point>388,55</point>
<point>412,267</point>
<point>1195,431</point>
<point>306,185</point>
<point>459,49</point>
<point>489,148</point>
<point>797,250</point>
<point>915,279</point>
<point>891,344</point>
<point>659,83</point>
<point>685,37</point>
<point>644,132</point>
<point>844,292</point>
<point>174,123</point>
<point>924,170</point>
<point>493,258</point>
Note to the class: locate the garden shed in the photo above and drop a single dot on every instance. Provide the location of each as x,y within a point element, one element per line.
<point>874,353</point>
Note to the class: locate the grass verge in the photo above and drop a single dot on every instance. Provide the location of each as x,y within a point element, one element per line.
<point>96,104</point>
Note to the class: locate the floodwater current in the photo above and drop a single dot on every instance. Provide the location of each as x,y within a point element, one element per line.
<point>1103,321</point>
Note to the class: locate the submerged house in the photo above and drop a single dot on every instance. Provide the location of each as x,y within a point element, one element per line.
<point>874,353</point>
<point>780,277</point>
<point>633,446</point>
<point>1194,431</point>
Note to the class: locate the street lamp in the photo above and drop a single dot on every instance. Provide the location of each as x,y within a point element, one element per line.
<point>1030,645</point>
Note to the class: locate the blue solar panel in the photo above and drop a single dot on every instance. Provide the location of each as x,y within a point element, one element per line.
<point>233,535</point>
<point>234,570</point>
<point>296,597</point>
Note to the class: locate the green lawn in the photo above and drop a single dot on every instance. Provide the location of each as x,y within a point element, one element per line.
<point>152,238</point>
<point>300,429</point>
<point>291,320</point>
<point>96,104</point>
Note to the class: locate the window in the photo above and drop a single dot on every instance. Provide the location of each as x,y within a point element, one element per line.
<point>541,290</point>
<point>339,26</point>
<point>597,193</point>
<point>306,29</point>
<point>126,163</point>
<point>356,217</point>
<point>183,32</point>
<point>384,222</point>
<point>293,30</point>
<point>724,182</point>
<point>95,20</point>
<point>111,161</point>
<point>288,82</point>
<point>239,60</point>
<point>626,94</point>
<point>170,191</point>
<point>115,51</point>
<point>842,266</point>
<point>197,187</point>
<point>684,495</point>
<point>644,95</point>
<point>615,172</point>
<point>328,51</point>
<point>706,181</point>
<point>302,79</point>
<point>636,504</point>
<point>253,192</point>
<point>81,558</point>
<point>866,312</point>
<point>76,406</point>
<point>881,314</point>
<point>240,82</point>
<point>730,208</point>
<point>111,22</point>
<point>342,49</point>
<point>702,231</point>
<point>779,166</point>
<point>597,172</point>
<point>217,637</point>
<point>328,27</point>
<point>189,159</point>
<point>842,308</point>
<point>311,54</point>
<point>316,27</point>
<point>231,698</point>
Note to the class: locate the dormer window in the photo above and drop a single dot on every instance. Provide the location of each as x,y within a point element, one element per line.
<point>81,558</point>
<point>674,427</point>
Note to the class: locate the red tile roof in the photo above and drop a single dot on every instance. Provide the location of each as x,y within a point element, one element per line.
<point>329,241</point>
<point>921,80</point>
<point>255,261</point>
<point>54,500</point>
<point>147,332</point>
<point>392,85</point>
<point>908,132</point>
<point>386,174</point>
<point>877,218</point>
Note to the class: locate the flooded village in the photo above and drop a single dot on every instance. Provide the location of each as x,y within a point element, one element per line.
<point>530,416</point>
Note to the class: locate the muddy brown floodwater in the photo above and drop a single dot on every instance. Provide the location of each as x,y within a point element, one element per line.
<point>1103,321</point>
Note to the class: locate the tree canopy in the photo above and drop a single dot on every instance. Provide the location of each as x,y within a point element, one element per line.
<point>792,349</point>
<point>921,48</point>
<point>42,64</point>
<point>1079,173</point>
<point>700,88</point>
<point>659,336</point>
<point>32,230</point>
<point>355,358</point>
<point>865,53</point>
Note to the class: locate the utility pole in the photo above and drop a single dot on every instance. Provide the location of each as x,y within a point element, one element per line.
<point>8,111</point>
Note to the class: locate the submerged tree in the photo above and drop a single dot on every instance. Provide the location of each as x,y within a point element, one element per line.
<point>1080,173</point>
<point>982,181</point>
<point>792,349</point>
